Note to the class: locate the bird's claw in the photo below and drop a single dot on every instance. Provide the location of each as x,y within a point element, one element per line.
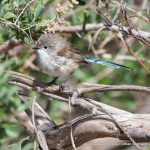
<point>39,87</point>
<point>63,87</point>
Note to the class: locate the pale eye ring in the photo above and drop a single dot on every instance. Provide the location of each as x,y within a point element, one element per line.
<point>45,47</point>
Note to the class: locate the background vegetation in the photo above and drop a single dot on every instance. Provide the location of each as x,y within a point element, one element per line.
<point>26,20</point>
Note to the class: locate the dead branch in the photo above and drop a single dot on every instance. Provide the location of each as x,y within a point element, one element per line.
<point>88,27</point>
<point>114,28</point>
<point>28,83</point>
<point>97,126</point>
<point>136,58</point>
<point>101,125</point>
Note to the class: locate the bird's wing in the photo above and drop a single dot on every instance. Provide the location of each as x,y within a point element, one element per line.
<point>71,52</point>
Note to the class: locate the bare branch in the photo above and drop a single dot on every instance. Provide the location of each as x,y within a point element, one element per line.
<point>28,82</point>
<point>114,28</point>
<point>100,126</point>
<point>104,88</point>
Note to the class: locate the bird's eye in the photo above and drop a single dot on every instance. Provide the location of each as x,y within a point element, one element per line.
<point>45,47</point>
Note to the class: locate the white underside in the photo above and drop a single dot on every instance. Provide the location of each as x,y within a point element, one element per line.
<point>55,65</point>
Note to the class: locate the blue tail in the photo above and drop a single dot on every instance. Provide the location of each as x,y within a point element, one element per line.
<point>103,62</point>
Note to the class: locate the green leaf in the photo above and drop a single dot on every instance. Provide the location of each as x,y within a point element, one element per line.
<point>37,11</point>
<point>9,15</point>
<point>11,132</point>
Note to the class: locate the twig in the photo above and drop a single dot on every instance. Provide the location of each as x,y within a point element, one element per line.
<point>94,38</point>
<point>85,21</point>
<point>133,54</point>
<point>40,136</point>
<point>71,130</point>
<point>33,112</point>
<point>136,58</point>
<point>105,88</point>
<point>23,140</point>
<point>23,11</point>
<point>131,27</point>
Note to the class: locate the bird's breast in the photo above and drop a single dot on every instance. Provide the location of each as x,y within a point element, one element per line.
<point>56,65</point>
<point>45,62</point>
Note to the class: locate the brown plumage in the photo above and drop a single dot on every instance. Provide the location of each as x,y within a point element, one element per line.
<point>71,53</point>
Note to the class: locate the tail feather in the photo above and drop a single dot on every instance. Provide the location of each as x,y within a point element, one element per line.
<point>104,62</point>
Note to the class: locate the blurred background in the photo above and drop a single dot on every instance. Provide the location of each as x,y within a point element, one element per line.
<point>26,20</point>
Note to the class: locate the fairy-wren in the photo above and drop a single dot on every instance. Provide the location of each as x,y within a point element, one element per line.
<point>56,56</point>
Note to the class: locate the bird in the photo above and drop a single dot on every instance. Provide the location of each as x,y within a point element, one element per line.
<point>58,57</point>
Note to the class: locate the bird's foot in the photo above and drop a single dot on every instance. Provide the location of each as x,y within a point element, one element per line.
<point>63,87</point>
<point>40,87</point>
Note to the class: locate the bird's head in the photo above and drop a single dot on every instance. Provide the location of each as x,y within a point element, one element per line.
<point>50,43</point>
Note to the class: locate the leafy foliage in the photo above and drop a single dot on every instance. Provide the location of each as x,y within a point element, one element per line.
<point>9,103</point>
<point>20,18</point>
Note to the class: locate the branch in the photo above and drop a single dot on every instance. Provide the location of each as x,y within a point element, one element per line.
<point>114,28</point>
<point>28,83</point>
<point>97,126</point>
<point>102,126</point>
<point>106,88</point>
<point>88,27</point>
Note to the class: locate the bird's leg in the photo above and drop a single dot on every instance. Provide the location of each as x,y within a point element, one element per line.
<point>63,84</point>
